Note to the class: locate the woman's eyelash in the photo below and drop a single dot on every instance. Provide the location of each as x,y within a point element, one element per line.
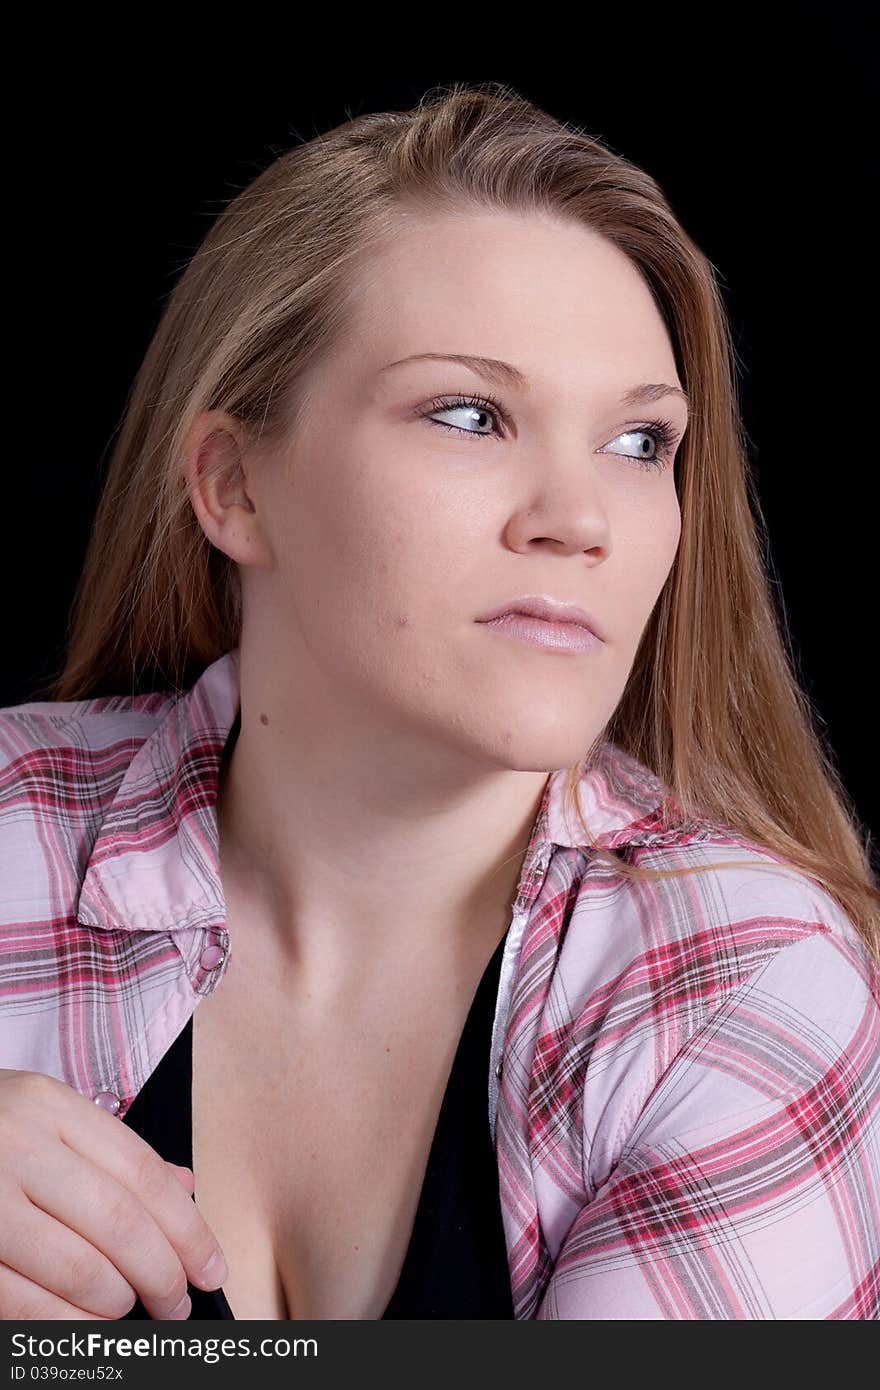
<point>664,432</point>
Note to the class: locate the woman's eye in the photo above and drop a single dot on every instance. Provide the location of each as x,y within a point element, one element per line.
<point>473,417</point>
<point>648,451</point>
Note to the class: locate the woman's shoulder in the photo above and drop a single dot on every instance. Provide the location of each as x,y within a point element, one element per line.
<point>746,901</point>
<point>721,901</point>
<point>51,750</point>
<point>730,906</point>
<point>61,765</point>
<point>67,758</point>
<point>39,729</point>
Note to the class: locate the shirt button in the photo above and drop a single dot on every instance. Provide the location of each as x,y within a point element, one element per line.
<point>211,957</point>
<point>107,1101</point>
<point>498,1067</point>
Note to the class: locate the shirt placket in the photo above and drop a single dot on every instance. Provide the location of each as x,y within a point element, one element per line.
<point>530,883</point>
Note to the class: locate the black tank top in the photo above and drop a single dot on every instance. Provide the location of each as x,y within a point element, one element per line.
<point>456,1261</point>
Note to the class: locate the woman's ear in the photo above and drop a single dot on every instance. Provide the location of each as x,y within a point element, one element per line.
<point>215,462</point>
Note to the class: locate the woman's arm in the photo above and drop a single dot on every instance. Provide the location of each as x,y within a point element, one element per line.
<point>749,1185</point>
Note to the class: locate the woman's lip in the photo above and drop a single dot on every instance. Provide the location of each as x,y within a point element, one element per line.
<point>565,637</point>
<point>546,607</point>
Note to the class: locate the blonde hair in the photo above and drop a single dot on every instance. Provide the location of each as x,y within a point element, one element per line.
<point>712,705</point>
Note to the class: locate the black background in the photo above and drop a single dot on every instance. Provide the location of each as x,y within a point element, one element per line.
<point>122,150</point>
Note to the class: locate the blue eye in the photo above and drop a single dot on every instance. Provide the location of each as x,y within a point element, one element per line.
<point>473,405</point>
<point>663,432</point>
<point>664,435</point>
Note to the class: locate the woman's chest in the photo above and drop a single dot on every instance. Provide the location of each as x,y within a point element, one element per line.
<point>310,1144</point>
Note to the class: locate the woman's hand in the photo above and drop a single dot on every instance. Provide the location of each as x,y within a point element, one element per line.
<point>91,1218</point>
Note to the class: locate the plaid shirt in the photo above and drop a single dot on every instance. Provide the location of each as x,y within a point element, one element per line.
<point>684,1083</point>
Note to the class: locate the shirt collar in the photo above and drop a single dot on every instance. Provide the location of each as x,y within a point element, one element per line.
<point>155,863</point>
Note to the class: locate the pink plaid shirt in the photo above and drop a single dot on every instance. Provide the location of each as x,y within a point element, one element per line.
<point>684,1083</point>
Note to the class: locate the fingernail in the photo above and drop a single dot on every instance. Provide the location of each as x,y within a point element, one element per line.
<point>215,1271</point>
<point>183,1309</point>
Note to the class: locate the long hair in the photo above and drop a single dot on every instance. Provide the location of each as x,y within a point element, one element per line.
<point>712,705</point>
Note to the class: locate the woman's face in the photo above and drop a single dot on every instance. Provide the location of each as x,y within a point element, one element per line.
<point>379,537</point>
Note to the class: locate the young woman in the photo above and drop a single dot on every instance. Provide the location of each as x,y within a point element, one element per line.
<point>458,964</point>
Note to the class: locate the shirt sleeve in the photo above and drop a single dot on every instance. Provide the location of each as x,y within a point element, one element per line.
<point>749,1184</point>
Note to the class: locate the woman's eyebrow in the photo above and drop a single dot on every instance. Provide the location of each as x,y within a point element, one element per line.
<point>504,372</point>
